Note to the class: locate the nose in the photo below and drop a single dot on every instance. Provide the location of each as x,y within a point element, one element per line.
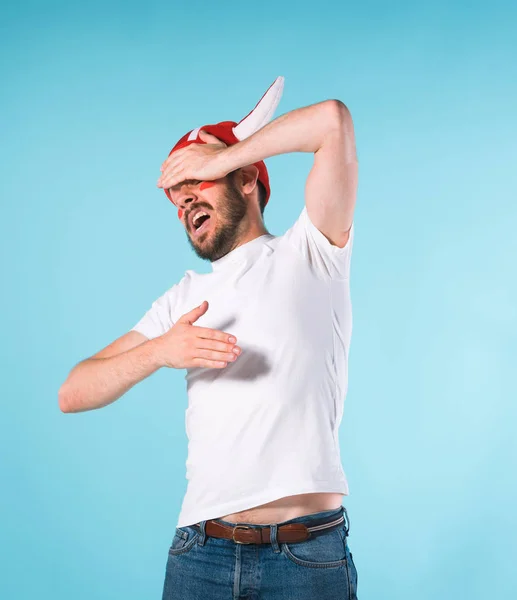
<point>184,202</point>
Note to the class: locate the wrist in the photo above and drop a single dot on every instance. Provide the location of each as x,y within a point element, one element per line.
<point>233,157</point>
<point>156,353</point>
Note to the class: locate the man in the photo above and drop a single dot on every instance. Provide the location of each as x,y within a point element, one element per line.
<point>264,338</point>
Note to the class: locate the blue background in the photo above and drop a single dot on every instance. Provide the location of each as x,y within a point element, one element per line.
<point>93,96</point>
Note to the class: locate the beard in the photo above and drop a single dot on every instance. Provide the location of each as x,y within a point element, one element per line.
<point>224,236</point>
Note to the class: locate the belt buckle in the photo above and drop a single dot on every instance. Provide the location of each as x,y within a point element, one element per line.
<point>240,527</point>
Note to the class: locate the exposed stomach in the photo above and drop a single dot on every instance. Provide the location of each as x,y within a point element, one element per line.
<point>287,508</point>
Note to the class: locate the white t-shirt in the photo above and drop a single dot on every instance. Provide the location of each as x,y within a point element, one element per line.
<point>266,425</point>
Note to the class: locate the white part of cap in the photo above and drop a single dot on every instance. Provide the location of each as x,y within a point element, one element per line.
<point>193,134</point>
<point>263,111</point>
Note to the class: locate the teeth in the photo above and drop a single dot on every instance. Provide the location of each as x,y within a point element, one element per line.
<point>196,217</point>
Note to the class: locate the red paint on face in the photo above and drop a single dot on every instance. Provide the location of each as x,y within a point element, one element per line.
<point>180,213</point>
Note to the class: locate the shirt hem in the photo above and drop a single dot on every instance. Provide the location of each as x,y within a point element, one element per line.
<point>218,511</point>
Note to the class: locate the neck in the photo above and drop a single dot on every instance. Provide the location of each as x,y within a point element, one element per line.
<point>253,232</point>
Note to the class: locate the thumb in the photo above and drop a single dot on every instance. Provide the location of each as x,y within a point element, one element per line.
<point>209,138</point>
<point>195,313</point>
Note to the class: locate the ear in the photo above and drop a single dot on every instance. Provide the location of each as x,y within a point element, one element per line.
<point>249,177</point>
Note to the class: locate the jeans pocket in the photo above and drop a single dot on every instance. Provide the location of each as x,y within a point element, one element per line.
<point>324,551</point>
<point>352,574</point>
<point>184,540</point>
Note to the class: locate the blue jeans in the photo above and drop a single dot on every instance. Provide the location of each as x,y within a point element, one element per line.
<point>200,567</point>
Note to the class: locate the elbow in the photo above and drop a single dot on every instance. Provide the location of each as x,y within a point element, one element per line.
<point>339,114</point>
<point>63,400</point>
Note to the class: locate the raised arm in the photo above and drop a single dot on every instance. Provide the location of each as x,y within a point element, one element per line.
<point>324,128</point>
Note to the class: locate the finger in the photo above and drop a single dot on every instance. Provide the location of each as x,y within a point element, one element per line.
<point>210,139</point>
<point>194,314</point>
<point>167,162</point>
<point>216,356</point>
<point>204,344</point>
<point>162,179</point>
<point>170,166</point>
<point>172,158</point>
<point>211,364</point>
<point>214,334</point>
<point>172,178</point>
<point>171,181</point>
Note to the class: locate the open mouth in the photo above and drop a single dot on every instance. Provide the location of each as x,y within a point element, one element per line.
<point>200,222</point>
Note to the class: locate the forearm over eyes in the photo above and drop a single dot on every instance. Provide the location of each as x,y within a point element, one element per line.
<point>96,382</point>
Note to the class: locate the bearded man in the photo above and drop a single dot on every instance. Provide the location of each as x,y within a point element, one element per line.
<point>264,338</point>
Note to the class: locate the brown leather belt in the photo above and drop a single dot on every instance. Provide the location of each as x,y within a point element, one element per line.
<point>261,534</point>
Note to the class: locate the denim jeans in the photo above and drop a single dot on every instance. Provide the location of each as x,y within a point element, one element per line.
<point>200,567</point>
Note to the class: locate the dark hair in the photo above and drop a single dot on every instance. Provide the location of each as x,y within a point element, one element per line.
<point>262,196</point>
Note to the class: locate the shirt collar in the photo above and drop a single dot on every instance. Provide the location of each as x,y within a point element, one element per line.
<point>242,253</point>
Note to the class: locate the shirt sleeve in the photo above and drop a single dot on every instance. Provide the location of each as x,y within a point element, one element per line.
<point>159,318</point>
<point>327,260</point>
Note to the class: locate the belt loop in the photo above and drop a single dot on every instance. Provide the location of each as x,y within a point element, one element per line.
<point>202,534</point>
<point>273,534</point>
<point>348,521</point>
